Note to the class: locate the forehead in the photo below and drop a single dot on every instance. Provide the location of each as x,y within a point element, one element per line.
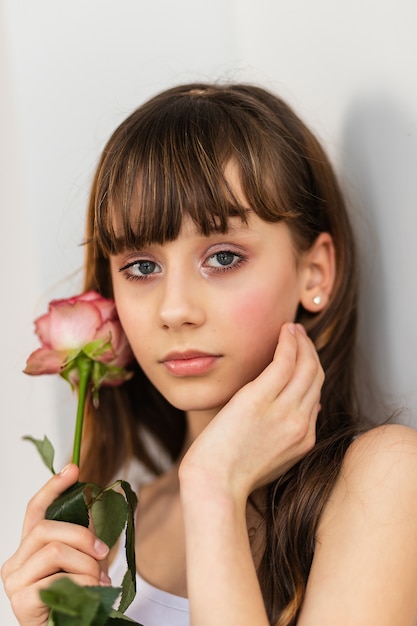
<point>234,226</point>
<point>155,213</point>
<point>254,233</point>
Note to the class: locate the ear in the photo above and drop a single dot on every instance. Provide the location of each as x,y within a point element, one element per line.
<point>318,270</point>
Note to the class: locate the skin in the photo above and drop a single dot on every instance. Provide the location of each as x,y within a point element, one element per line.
<point>249,420</point>
<point>191,303</point>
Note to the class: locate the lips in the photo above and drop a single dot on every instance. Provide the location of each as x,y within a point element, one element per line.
<point>189,363</point>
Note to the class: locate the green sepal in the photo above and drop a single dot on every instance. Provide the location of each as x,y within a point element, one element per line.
<point>45,449</point>
<point>65,372</point>
<point>97,348</point>
<point>70,506</point>
<point>109,512</point>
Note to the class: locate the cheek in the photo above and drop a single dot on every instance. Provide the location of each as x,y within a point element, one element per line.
<point>135,324</point>
<point>262,309</point>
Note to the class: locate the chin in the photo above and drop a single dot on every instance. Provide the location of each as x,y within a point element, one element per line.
<point>193,406</point>
<point>195,401</point>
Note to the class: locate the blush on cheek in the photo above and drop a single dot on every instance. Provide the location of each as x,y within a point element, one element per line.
<point>256,309</point>
<point>254,323</point>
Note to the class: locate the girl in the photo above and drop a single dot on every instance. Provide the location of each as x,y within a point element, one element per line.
<point>217,224</point>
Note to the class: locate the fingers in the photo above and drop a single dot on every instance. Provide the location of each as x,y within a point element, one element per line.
<point>295,366</point>
<point>52,547</point>
<point>26,603</point>
<point>48,532</point>
<point>51,550</point>
<point>50,491</point>
<point>308,373</point>
<point>270,383</point>
<point>59,556</point>
<point>290,387</point>
<point>302,392</point>
<point>301,396</point>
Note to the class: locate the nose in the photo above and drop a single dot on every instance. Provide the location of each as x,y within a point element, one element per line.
<point>182,302</point>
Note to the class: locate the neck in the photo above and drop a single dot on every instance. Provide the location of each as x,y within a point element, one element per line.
<point>197,421</point>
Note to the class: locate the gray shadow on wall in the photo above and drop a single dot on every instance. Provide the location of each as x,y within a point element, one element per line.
<point>379,165</point>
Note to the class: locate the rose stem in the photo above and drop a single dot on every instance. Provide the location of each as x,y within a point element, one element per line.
<point>85,365</point>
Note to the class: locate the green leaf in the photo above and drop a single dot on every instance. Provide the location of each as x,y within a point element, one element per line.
<point>129,580</point>
<point>45,449</point>
<point>118,618</point>
<point>70,506</point>
<point>128,591</point>
<point>132,502</point>
<point>109,512</point>
<point>73,605</point>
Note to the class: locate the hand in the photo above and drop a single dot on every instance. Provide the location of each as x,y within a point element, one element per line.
<point>49,550</point>
<point>265,428</point>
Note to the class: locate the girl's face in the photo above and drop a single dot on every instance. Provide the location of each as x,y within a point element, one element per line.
<point>203,314</point>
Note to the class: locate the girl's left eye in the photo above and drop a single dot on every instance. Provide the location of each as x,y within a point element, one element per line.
<point>224,260</point>
<point>140,270</point>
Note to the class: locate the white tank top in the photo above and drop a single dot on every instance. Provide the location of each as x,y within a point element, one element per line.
<point>151,606</point>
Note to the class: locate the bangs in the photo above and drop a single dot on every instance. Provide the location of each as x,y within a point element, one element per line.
<point>168,161</point>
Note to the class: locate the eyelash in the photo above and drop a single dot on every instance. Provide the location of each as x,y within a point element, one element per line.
<point>135,277</point>
<point>239,259</point>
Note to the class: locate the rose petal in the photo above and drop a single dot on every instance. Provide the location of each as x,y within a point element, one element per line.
<point>120,353</point>
<point>109,332</point>
<point>83,323</point>
<point>73,325</point>
<point>106,307</point>
<point>107,310</point>
<point>44,361</point>
<point>124,354</point>
<point>42,327</point>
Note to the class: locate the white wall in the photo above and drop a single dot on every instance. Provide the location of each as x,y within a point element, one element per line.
<point>71,71</point>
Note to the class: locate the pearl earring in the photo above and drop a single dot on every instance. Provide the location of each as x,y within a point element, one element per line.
<point>317,300</point>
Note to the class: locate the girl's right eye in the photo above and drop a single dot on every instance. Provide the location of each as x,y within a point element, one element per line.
<point>140,270</point>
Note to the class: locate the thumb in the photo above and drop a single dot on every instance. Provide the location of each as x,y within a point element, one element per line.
<point>47,494</point>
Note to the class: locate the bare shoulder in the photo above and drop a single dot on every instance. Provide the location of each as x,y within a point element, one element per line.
<point>394,439</point>
<point>365,563</point>
<point>385,455</point>
<point>378,474</point>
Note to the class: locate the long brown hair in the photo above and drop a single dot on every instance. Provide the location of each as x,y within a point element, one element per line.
<point>166,160</point>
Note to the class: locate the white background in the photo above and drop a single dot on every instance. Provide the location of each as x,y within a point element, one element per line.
<point>71,71</point>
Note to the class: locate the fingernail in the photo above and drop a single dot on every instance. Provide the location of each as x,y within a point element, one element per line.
<point>105,580</point>
<point>65,469</point>
<point>301,328</point>
<point>100,548</point>
<point>291,328</point>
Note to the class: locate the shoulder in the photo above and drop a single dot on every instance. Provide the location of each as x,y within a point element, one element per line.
<point>390,438</point>
<point>383,455</point>
<point>379,471</point>
<point>365,563</point>
<point>381,458</point>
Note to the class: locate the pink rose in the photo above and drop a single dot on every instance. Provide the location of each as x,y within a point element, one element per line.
<point>86,324</point>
